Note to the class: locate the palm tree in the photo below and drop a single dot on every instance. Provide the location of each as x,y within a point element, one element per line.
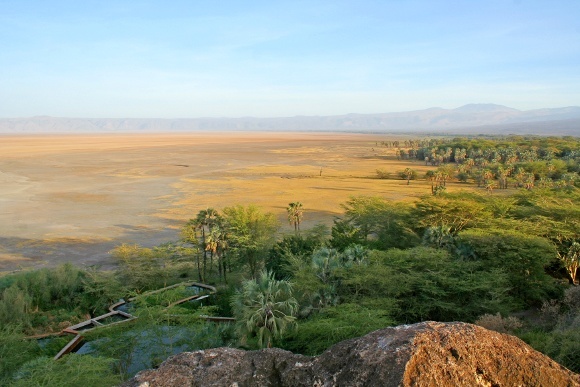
<point>440,237</point>
<point>445,172</point>
<point>502,175</point>
<point>489,185</point>
<point>264,307</point>
<point>431,176</point>
<point>356,254</point>
<point>325,261</point>
<point>529,181</point>
<point>409,174</point>
<point>216,244</point>
<point>204,222</point>
<point>295,214</point>
<point>189,235</point>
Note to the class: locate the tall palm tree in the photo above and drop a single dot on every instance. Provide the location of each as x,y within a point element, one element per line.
<point>264,307</point>
<point>216,244</point>
<point>432,177</point>
<point>189,235</point>
<point>204,221</point>
<point>295,214</point>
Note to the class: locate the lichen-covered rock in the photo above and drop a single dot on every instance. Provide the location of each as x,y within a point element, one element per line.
<point>424,354</point>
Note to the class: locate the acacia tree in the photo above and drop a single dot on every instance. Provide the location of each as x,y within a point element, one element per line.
<point>251,233</point>
<point>264,307</point>
<point>295,215</point>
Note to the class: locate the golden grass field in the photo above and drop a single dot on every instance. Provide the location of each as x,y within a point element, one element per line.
<point>74,197</point>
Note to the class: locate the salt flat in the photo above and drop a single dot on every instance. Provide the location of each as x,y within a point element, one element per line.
<point>72,198</point>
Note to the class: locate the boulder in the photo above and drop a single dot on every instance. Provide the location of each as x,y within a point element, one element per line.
<point>423,354</point>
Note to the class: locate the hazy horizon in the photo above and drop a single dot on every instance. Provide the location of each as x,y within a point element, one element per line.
<point>119,59</point>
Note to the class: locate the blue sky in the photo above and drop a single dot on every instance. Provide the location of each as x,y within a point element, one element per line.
<point>172,59</point>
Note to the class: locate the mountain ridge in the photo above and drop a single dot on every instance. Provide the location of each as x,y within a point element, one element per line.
<point>490,118</point>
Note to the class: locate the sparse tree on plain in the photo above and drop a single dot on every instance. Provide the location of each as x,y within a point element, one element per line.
<point>295,214</point>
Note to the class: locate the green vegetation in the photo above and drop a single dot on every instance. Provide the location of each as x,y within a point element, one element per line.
<point>264,307</point>
<point>485,255</point>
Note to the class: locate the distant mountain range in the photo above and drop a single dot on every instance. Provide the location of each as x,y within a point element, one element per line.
<point>468,119</point>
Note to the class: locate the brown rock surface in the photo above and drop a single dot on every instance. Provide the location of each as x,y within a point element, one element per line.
<point>424,354</point>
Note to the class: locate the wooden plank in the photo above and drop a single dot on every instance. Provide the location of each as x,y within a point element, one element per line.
<point>69,347</point>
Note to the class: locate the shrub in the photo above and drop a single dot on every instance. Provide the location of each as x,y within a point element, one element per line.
<point>496,322</point>
<point>332,325</point>
<point>72,370</point>
<point>383,174</point>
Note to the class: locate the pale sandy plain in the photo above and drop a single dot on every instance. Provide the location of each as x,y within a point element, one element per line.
<point>72,198</point>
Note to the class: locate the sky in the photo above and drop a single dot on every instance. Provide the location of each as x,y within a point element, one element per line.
<point>186,59</point>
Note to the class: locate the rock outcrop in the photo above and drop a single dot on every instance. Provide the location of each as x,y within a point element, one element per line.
<point>424,354</point>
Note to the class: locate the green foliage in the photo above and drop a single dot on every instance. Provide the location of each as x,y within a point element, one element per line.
<point>560,337</point>
<point>208,234</point>
<point>15,306</point>
<point>481,254</point>
<point>157,334</point>
<point>554,214</point>
<point>295,245</point>
<point>571,261</point>
<point>101,289</point>
<point>429,284</point>
<point>319,277</point>
<point>522,257</point>
<point>72,370</point>
<point>251,234</point>
<point>14,351</point>
<point>49,287</point>
<point>332,325</point>
<point>374,222</point>
<point>142,268</point>
<point>344,233</point>
<point>265,308</point>
<point>562,346</point>
<point>29,295</point>
<point>439,237</point>
<point>457,211</point>
<point>408,174</point>
<point>383,174</point>
<point>295,214</point>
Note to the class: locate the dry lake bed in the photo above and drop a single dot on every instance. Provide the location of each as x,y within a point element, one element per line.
<point>72,198</point>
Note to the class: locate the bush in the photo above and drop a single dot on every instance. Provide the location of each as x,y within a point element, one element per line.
<point>429,284</point>
<point>14,351</point>
<point>523,257</point>
<point>332,325</point>
<point>496,322</point>
<point>562,346</point>
<point>383,174</point>
<point>72,370</point>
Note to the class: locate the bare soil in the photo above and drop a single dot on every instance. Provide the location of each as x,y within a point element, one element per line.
<point>72,198</point>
